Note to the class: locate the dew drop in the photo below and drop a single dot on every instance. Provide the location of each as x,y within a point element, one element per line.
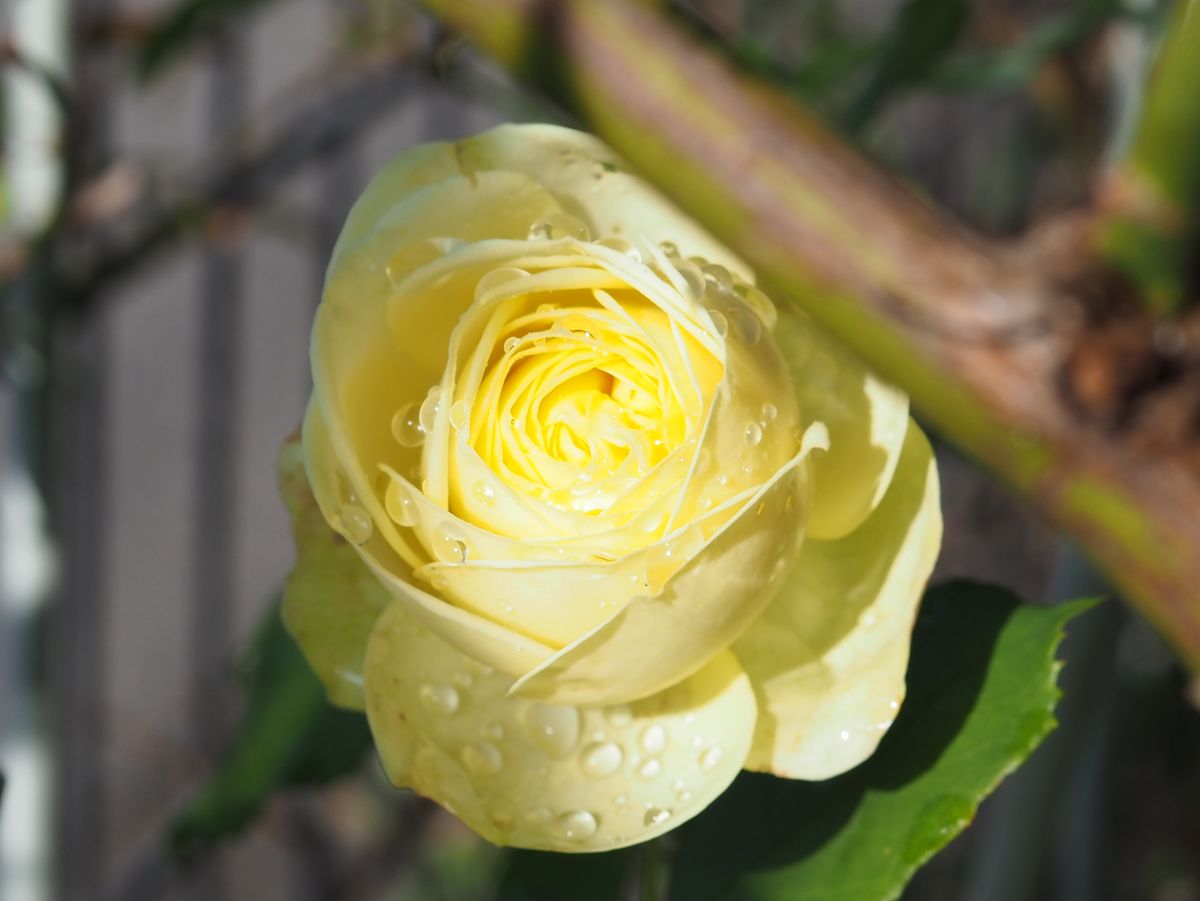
<point>438,697</point>
<point>459,414</point>
<point>750,326</point>
<point>482,759</point>
<point>692,275</point>
<point>578,824</point>
<point>620,800</point>
<point>463,680</point>
<point>496,278</point>
<point>430,408</point>
<point>753,433</point>
<point>769,411</point>
<point>650,768</point>
<point>720,323</point>
<point>400,506</point>
<point>511,343</point>
<point>718,276</point>
<point>483,492</point>
<point>406,426</point>
<point>559,225</point>
<point>656,815</point>
<point>449,545</point>
<point>601,759</point>
<point>356,523</point>
<point>620,245</point>
<point>844,735</point>
<point>654,738</point>
<point>553,728</point>
<point>681,791</point>
<point>668,248</point>
<point>709,758</point>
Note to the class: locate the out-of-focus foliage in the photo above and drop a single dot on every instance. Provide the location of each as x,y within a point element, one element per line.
<point>188,22</point>
<point>981,696</point>
<point>289,736</point>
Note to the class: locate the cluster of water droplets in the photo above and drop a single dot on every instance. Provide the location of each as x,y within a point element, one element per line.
<point>604,744</point>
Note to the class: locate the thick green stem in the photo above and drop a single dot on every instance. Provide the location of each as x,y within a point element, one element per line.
<point>980,337</point>
<point>1152,198</point>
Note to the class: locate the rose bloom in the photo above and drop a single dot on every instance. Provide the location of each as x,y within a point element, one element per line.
<point>586,524</point>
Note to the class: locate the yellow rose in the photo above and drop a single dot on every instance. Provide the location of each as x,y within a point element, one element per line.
<point>612,527</point>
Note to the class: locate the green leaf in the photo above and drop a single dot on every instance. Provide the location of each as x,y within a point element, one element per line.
<point>289,736</point>
<point>981,696</point>
<point>187,23</point>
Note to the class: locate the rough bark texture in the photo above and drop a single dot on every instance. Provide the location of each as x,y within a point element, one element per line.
<point>1032,357</point>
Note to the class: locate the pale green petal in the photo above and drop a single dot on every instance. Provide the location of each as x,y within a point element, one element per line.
<point>594,184</point>
<point>828,657</point>
<point>654,641</point>
<point>556,778</point>
<point>331,602</point>
<point>867,421</point>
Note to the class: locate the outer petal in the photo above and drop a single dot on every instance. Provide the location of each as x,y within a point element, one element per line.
<point>592,183</point>
<point>331,602</point>
<point>828,657</point>
<point>867,421</point>
<point>551,777</point>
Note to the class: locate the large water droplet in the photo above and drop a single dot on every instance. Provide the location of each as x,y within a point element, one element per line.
<point>430,408</point>
<point>355,524</point>
<point>449,543</point>
<point>559,225</point>
<point>749,325</point>
<point>720,323</point>
<point>438,697</point>
<point>483,492</point>
<point>668,248</point>
<point>601,759</point>
<point>656,815</point>
<point>553,728</point>
<point>459,413</point>
<point>753,433</point>
<point>718,277</point>
<point>511,343</point>
<point>482,759</point>
<point>398,503</point>
<point>692,276</point>
<point>578,824</point>
<point>653,738</point>
<point>496,278</point>
<point>406,426</point>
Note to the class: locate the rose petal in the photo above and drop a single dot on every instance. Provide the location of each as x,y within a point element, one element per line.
<point>550,777</point>
<point>655,641</point>
<point>867,421</point>
<point>828,656</point>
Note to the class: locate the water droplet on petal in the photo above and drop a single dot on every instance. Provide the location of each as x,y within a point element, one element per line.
<point>496,278</point>
<point>559,225</point>
<point>656,815</point>
<point>720,323</point>
<point>578,824</point>
<point>430,408</point>
<point>400,506</point>
<point>355,524</point>
<point>654,738</point>
<point>620,800</point>
<point>681,791</point>
<point>769,411</point>
<point>483,492</point>
<point>601,759</point>
<point>709,758</point>
<point>668,248</point>
<point>438,697</point>
<point>692,275</point>
<point>621,246</point>
<point>553,728</point>
<point>753,433</point>
<point>406,426</point>
<point>650,768</point>
<point>718,276</point>
<point>449,543</point>
<point>511,343</point>
<point>482,759</point>
<point>750,326</point>
<point>459,412</point>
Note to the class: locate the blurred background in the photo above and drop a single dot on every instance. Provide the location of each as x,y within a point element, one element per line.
<point>174,175</point>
